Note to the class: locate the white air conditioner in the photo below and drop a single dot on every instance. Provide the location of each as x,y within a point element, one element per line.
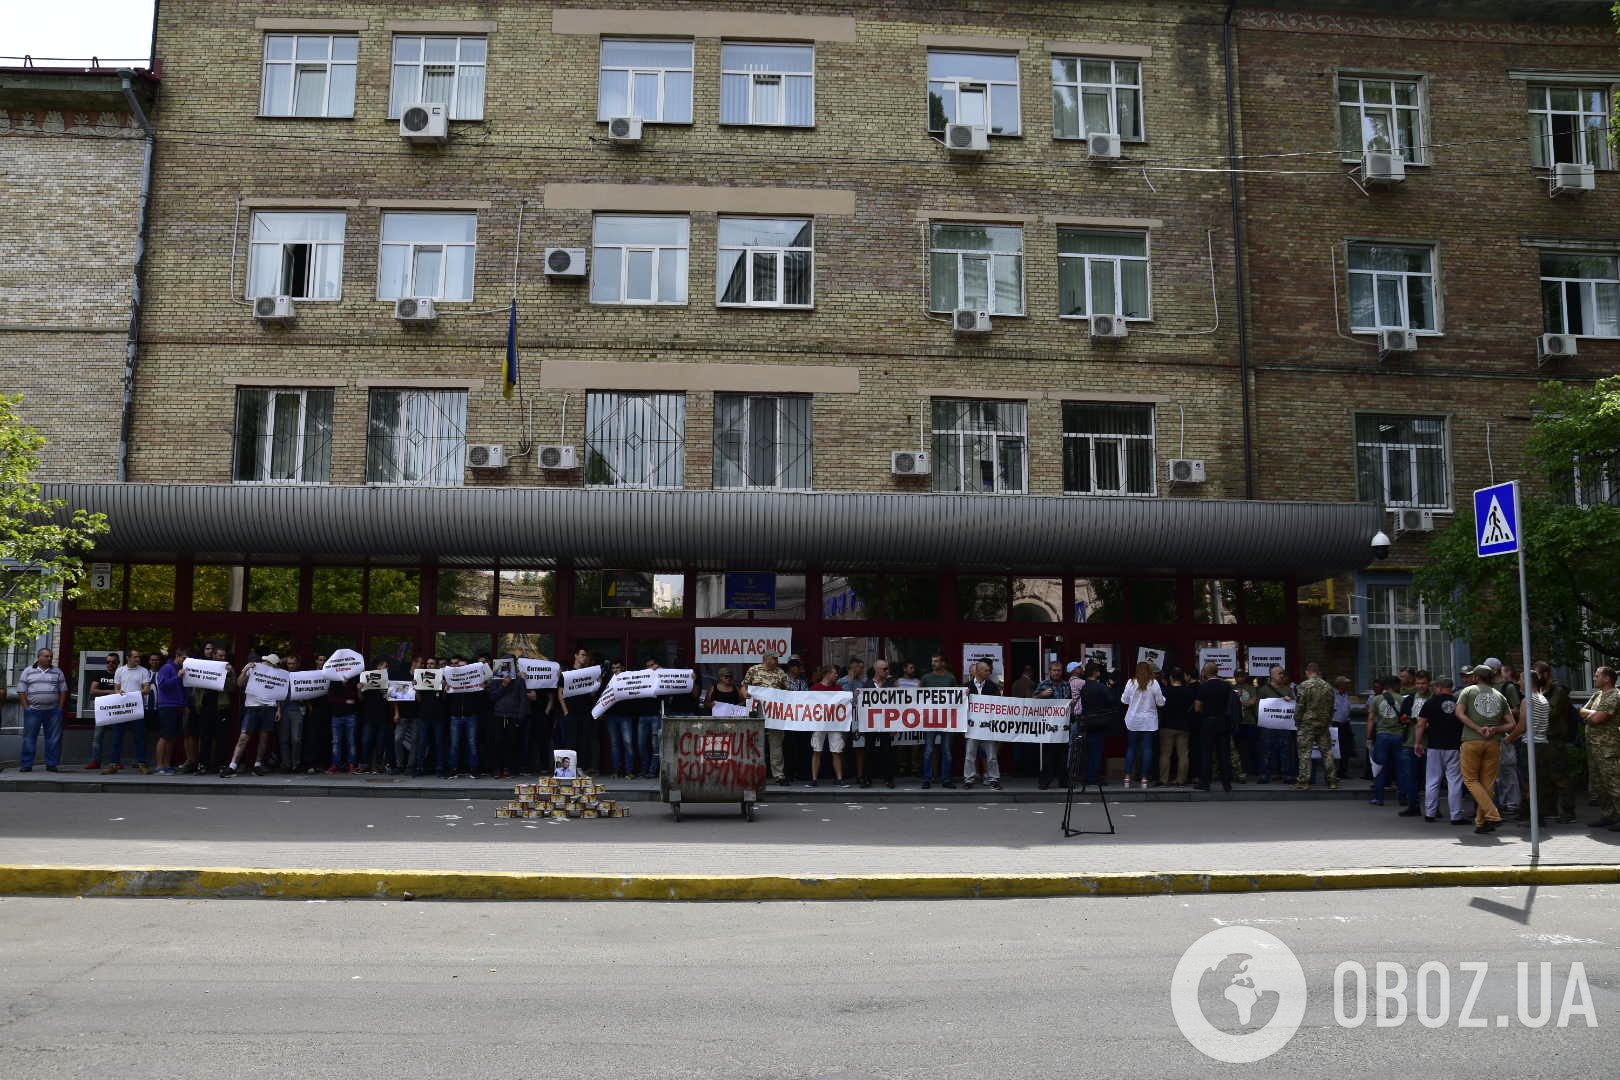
<point>486,456</point>
<point>967,138</point>
<point>1554,347</point>
<point>1187,470</point>
<point>274,309</point>
<point>1568,176</point>
<point>424,123</point>
<point>910,463</point>
<point>970,321</point>
<point>1380,167</point>
<point>418,309</point>
<point>625,129</point>
<point>1397,341</point>
<point>565,262</point>
<point>1108,327</point>
<point>1408,520</point>
<point>558,458</point>
<point>1341,626</point>
<point>1102,146</point>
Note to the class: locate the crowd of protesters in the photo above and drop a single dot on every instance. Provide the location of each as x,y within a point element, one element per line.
<point>1425,735</point>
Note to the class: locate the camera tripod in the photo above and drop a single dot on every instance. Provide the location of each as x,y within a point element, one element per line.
<point>1077,765</point>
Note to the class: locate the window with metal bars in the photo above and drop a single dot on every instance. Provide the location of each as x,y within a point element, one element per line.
<point>1404,631</point>
<point>283,436</point>
<point>1108,449</point>
<point>1401,460</point>
<point>416,437</point>
<point>981,446</point>
<point>762,441</point>
<point>635,439</point>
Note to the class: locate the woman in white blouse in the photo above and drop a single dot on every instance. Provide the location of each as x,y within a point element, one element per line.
<point>1143,699</point>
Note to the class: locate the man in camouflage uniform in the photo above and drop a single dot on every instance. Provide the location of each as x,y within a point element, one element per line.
<point>1314,717</point>
<point>1602,718</point>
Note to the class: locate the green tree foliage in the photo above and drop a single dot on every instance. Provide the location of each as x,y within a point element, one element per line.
<point>41,553</point>
<point>1572,552</point>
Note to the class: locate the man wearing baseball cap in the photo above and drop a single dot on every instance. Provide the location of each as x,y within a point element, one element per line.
<point>1485,717</point>
<point>258,718</point>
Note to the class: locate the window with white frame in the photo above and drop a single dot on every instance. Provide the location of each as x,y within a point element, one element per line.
<point>981,446</point>
<point>428,255</point>
<point>1401,460</point>
<point>1403,630</point>
<point>765,262</point>
<point>976,266</point>
<point>439,70</point>
<point>648,79</point>
<point>762,441</point>
<point>1391,287</point>
<point>297,254</point>
<point>770,85</point>
<point>1597,482</point>
<point>416,437</point>
<point>1570,125</point>
<point>309,74</point>
<point>1108,449</point>
<point>1580,294</point>
<point>283,436</point>
<point>973,88</point>
<point>1381,114</point>
<point>635,439</point>
<point>1096,97</point>
<point>1103,272</point>
<point>639,260</point>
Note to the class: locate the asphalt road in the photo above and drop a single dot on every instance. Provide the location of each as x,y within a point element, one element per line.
<point>1072,988</point>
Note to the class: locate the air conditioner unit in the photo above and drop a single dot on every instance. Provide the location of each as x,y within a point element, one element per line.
<point>967,138</point>
<point>1102,147</point>
<point>1341,626</point>
<point>625,129</point>
<point>1379,167</point>
<point>1397,341</point>
<point>486,456</point>
<point>1554,346</point>
<point>558,458</point>
<point>424,123</point>
<point>1568,176</point>
<point>1108,328</point>
<point>565,262</point>
<point>910,463</point>
<point>1410,521</point>
<point>274,309</point>
<point>1187,470</point>
<point>417,309</point>
<point>970,321</point>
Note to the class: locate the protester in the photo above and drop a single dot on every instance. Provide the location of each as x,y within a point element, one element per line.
<point>1601,715</point>
<point>910,752</point>
<point>575,724</point>
<point>1175,729</point>
<point>104,683</point>
<point>1054,759</point>
<point>343,705</point>
<point>769,675</point>
<point>1509,791</point>
<point>1484,715</point>
<point>830,741</point>
<point>1278,751</point>
<point>290,727</point>
<point>1341,724</point>
<point>258,719</point>
<point>725,691</point>
<point>1099,715</point>
<point>170,696</point>
<point>510,700</point>
<point>1215,701</point>
<point>1384,735</point>
<point>980,684</point>
<point>1024,685</point>
<point>649,717</point>
<point>133,678</point>
<point>937,744</point>
<point>622,731</point>
<point>407,745</point>
<point>1315,698</point>
<point>876,760</point>
<point>376,717</point>
<point>1554,788</point>
<point>431,728</point>
<point>1437,742</point>
<point>43,691</point>
<point>463,731</point>
<point>1246,736</point>
<point>1143,698</point>
<point>857,679</point>
<point>1409,767</point>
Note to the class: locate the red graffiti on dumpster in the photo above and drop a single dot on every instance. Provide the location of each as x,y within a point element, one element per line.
<point>725,760</point>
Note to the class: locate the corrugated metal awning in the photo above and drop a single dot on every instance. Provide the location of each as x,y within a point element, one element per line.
<point>720,529</point>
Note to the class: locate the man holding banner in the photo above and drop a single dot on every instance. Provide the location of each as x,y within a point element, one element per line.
<point>264,686</point>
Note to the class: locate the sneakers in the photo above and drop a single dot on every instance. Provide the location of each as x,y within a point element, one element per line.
<point>52,768</point>
<point>146,770</point>
<point>1429,819</point>
<point>331,770</point>
<point>227,772</point>
<point>949,783</point>
<point>93,766</point>
<point>926,784</point>
<point>259,769</point>
<point>1375,802</point>
<point>1302,787</point>
<point>996,784</point>
<point>1410,811</point>
<point>1459,821</point>
<point>109,770</point>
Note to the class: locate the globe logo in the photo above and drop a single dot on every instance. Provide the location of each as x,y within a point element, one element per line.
<point>1238,994</point>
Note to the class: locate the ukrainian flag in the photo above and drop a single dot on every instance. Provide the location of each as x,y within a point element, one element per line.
<point>511,374</point>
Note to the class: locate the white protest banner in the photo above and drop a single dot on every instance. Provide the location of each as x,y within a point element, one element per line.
<point>898,709</point>
<point>427,678</point>
<point>344,664</point>
<point>205,674</point>
<point>803,710</point>
<point>308,685</point>
<point>1152,657</point>
<point>1225,659</point>
<point>1262,658</point>
<point>540,674</point>
<point>741,644</point>
<point>1101,654</point>
<point>990,653</point>
<point>465,679</point>
<point>1027,720</point>
<point>670,680</point>
<point>1277,713</point>
<point>118,708</point>
<point>269,683</point>
<point>583,680</point>
<point>374,680</point>
<point>726,709</point>
<point>401,690</point>
<point>624,686</point>
<point>1317,753</point>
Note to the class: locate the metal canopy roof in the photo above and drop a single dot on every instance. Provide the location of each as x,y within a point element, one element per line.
<point>719,530</point>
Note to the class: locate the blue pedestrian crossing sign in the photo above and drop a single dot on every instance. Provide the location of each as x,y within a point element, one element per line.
<point>1496,519</point>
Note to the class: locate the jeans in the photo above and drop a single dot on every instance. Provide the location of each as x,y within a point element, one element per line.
<point>1277,754</point>
<point>463,729</point>
<point>1139,753</point>
<point>1438,763</point>
<point>936,740</point>
<point>376,734</point>
<point>1408,767</point>
<point>1385,754</point>
<point>50,721</point>
<point>343,749</point>
<point>1481,759</point>
<point>622,736</point>
<point>992,764</point>
<point>430,738</point>
<point>115,744</point>
<point>1508,790</point>
<point>648,731</point>
<point>291,734</point>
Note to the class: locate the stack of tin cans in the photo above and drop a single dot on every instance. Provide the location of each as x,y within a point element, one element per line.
<point>548,797</point>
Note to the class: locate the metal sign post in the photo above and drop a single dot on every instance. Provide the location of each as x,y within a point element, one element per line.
<point>1499,530</point>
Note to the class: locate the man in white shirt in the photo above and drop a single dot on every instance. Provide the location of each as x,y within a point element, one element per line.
<point>980,682</point>
<point>132,678</point>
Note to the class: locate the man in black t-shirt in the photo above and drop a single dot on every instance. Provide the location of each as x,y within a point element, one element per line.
<point>1438,743</point>
<point>1213,704</point>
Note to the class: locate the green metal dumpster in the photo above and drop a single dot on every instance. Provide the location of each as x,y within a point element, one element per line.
<point>707,759</point>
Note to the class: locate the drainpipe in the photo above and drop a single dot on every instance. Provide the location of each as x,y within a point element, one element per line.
<point>132,346</point>
<point>1240,243</point>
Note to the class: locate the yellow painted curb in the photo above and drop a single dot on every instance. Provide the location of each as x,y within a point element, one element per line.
<point>238,882</point>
